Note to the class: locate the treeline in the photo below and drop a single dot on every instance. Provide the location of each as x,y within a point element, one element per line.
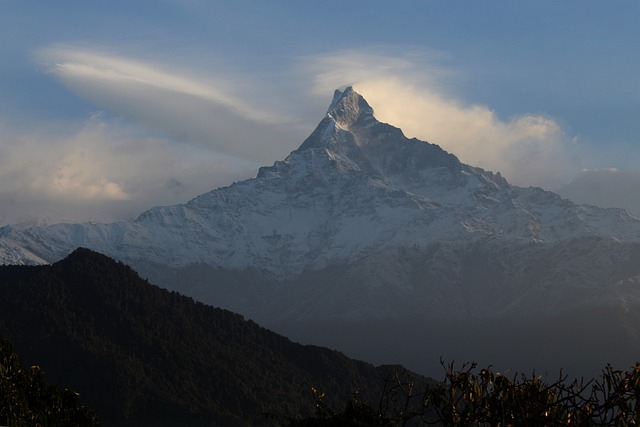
<point>26,399</point>
<point>482,397</point>
<point>467,397</point>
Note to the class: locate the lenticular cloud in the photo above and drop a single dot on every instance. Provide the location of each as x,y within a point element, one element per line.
<point>200,109</point>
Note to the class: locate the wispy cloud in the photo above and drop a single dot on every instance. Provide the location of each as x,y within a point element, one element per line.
<point>72,64</point>
<point>410,91</point>
<point>204,109</point>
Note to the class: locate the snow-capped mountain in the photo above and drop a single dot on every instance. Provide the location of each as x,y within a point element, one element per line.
<point>354,187</point>
<point>360,223</point>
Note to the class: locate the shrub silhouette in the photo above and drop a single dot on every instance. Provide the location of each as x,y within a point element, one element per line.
<point>27,400</point>
<point>472,397</point>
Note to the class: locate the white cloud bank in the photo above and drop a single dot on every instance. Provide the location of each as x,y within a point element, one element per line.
<point>100,171</point>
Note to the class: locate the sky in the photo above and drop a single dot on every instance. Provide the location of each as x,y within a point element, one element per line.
<point>110,108</point>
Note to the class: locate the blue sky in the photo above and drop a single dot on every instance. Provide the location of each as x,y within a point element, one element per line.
<point>109,108</point>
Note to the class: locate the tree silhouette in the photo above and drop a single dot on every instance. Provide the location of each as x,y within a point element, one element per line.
<point>468,397</point>
<point>27,400</point>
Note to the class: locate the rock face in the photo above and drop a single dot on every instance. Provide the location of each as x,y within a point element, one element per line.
<point>360,224</point>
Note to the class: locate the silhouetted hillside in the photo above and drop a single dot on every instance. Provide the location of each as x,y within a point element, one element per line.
<point>142,355</point>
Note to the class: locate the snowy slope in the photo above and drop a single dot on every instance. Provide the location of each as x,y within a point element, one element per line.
<point>389,218</point>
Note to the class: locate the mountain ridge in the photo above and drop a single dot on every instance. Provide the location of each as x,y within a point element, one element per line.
<point>399,222</point>
<point>144,356</point>
<point>351,169</point>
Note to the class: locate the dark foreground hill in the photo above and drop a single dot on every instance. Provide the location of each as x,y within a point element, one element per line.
<point>141,355</point>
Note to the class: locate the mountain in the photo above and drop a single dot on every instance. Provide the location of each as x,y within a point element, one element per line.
<point>142,355</point>
<point>362,226</point>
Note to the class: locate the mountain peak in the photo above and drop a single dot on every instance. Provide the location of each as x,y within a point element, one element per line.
<point>348,116</point>
<point>354,140</point>
<point>348,107</point>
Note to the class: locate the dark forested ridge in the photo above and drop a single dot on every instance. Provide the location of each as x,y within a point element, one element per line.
<point>141,355</point>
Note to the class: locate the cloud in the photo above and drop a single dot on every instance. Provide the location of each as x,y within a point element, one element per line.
<point>412,91</point>
<point>101,170</point>
<point>72,64</point>
<point>209,110</point>
<point>210,128</point>
<point>409,89</point>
